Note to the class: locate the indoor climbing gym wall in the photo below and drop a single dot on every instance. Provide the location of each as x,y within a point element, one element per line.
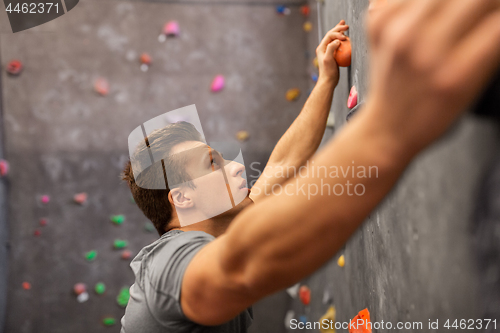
<point>414,259</point>
<point>72,91</point>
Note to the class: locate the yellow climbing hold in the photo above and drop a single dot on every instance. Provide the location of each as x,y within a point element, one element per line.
<point>307,26</point>
<point>292,94</point>
<point>328,317</point>
<point>341,261</point>
<point>242,136</point>
<point>315,62</point>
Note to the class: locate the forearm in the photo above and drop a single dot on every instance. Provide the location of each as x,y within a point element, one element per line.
<point>290,235</point>
<point>303,137</point>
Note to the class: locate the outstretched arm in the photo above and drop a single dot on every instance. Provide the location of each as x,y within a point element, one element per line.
<point>303,137</point>
<point>432,59</point>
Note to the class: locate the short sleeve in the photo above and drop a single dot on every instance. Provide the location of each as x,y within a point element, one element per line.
<point>165,271</point>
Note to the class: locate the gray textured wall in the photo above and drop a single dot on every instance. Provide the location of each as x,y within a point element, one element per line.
<point>62,138</point>
<point>412,260</point>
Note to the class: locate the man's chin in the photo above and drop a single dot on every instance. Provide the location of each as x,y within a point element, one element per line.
<point>245,202</point>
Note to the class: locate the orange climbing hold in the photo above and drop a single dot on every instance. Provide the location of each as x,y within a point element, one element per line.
<point>305,295</point>
<point>26,285</point>
<point>343,53</point>
<point>361,323</point>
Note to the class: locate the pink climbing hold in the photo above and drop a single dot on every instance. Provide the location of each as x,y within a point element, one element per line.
<point>80,198</point>
<point>45,199</point>
<point>217,83</point>
<point>352,101</point>
<point>171,29</point>
<point>4,168</point>
<point>79,288</point>
<point>305,295</point>
<point>101,86</point>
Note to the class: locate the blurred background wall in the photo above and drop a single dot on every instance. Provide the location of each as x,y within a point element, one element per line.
<point>410,261</point>
<point>62,138</point>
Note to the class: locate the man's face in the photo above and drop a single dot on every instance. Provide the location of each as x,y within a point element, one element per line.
<point>219,184</point>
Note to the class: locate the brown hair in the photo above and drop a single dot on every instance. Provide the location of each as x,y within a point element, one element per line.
<point>154,202</point>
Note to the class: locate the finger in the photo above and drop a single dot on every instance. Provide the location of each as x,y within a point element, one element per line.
<point>458,17</point>
<point>331,48</point>
<point>340,28</point>
<point>377,21</point>
<point>473,61</point>
<point>329,37</point>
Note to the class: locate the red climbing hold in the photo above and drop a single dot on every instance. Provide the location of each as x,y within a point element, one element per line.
<point>352,101</point>
<point>26,286</point>
<point>305,295</point>
<point>79,288</point>
<point>80,198</point>
<point>4,168</point>
<point>43,222</point>
<point>126,254</point>
<point>305,10</point>
<point>358,326</point>
<point>14,67</point>
<point>145,59</point>
<point>37,232</point>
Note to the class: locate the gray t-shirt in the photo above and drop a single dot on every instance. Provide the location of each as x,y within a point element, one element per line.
<point>154,304</point>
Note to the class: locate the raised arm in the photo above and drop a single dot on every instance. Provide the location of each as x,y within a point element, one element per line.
<point>432,57</point>
<point>303,137</point>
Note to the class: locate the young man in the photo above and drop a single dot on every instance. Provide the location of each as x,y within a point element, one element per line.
<point>429,59</point>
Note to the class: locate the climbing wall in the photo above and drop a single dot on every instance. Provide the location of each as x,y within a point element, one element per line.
<point>64,137</point>
<point>412,260</point>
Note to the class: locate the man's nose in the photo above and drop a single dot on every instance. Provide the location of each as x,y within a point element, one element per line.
<point>234,169</point>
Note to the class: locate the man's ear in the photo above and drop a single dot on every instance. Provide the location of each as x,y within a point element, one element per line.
<point>180,198</point>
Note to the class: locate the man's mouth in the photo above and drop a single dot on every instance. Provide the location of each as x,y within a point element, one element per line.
<point>243,185</point>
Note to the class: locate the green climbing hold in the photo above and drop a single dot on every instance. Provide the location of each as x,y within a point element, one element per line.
<point>109,321</point>
<point>117,219</point>
<point>100,288</point>
<point>120,244</point>
<point>149,227</point>
<point>91,255</point>
<point>123,297</point>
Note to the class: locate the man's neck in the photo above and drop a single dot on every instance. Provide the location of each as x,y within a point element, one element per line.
<point>214,226</point>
